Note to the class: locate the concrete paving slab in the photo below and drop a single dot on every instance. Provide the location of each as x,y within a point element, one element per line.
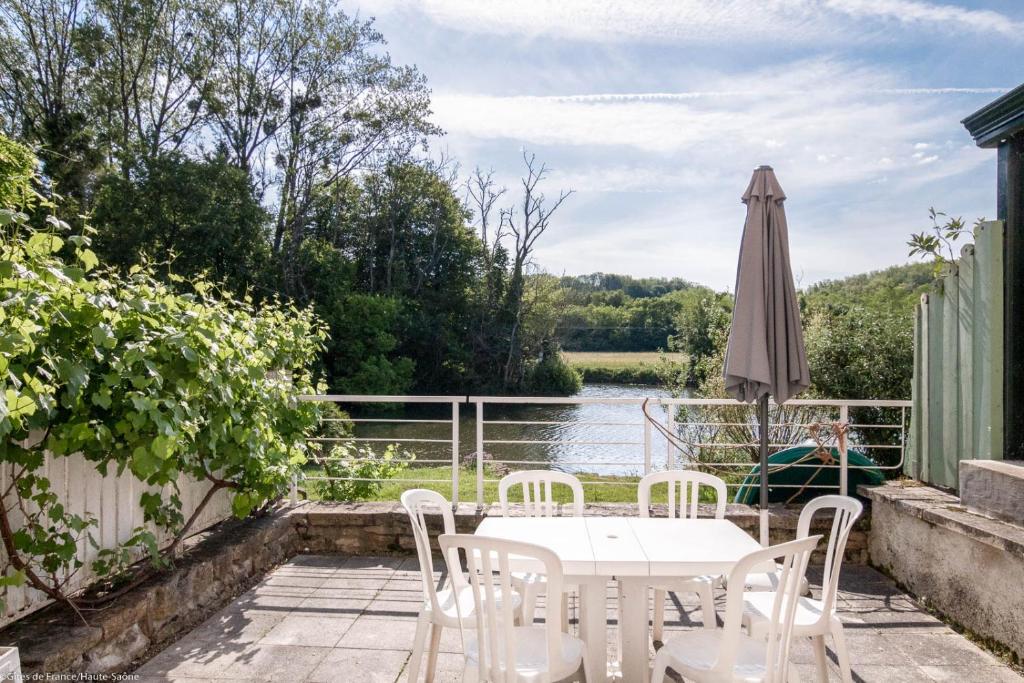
<point>331,618</point>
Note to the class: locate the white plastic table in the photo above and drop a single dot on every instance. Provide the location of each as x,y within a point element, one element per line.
<point>636,552</point>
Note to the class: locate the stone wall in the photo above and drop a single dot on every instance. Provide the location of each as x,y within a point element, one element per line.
<point>223,562</point>
<point>966,566</point>
<point>217,566</point>
<point>383,528</point>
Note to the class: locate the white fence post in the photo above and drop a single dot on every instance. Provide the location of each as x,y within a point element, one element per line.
<point>455,454</point>
<point>479,454</point>
<point>670,423</point>
<point>647,445</point>
<point>295,489</point>
<point>844,459</point>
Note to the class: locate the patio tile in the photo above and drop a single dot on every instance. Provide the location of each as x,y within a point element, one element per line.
<point>296,629</point>
<point>892,673</point>
<point>374,666</point>
<point>232,626</point>
<point>380,634</point>
<point>275,662</point>
<point>962,674</point>
<point>345,607</point>
<point>950,650</point>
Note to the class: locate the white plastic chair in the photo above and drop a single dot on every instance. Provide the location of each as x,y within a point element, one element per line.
<point>684,506</point>
<point>441,608</point>
<point>538,501</point>
<point>727,655</point>
<point>815,619</point>
<point>495,649</point>
<point>536,486</point>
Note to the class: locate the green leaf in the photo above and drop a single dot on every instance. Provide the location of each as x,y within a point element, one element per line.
<point>88,258</point>
<point>43,243</point>
<point>18,405</point>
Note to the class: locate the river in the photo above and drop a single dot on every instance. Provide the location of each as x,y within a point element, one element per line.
<point>619,428</point>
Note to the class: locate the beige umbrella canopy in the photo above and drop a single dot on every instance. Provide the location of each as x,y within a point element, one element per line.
<point>765,354</point>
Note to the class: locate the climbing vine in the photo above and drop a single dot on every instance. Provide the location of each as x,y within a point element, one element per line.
<point>162,380</point>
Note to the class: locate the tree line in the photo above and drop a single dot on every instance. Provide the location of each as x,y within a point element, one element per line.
<point>858,330</point>
<point>274,147</point>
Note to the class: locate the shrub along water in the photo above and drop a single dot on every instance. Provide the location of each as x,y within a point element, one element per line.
<point>139,377</point>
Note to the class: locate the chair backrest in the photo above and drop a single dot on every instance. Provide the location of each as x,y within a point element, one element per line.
<point>793,557</point>
<point>489,575</point>
<point>846,510</point>
<point>537,498</point>
<point>418,503</point>
<point>689,483</point>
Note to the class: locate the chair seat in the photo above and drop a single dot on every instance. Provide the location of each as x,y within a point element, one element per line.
<point>693,655</point>
<point>808,620</point>
<point>769,581</point>
<point>532,653</point>
<point>451,602</point>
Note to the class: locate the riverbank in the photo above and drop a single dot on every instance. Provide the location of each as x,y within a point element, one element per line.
<point>597,488</point>
<point>626,367</point>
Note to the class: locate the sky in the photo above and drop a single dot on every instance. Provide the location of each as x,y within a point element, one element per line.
<point>656,112</point>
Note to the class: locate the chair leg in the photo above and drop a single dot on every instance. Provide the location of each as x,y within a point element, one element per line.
<point>839,639</point>
<point>435,645</point>
<point>588,675</point>
<point>820,658</point>
<point>707,606</point>
<point>565,612</point>
<point>470,674</point>
<point>419,640</point>
<point>660,667</point>
<point>530,593</point>
<point>658,626</point>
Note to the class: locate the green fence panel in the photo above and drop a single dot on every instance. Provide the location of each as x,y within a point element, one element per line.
<point>958,364</point>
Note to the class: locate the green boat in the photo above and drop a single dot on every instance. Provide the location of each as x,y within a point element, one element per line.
<point>818,481</point>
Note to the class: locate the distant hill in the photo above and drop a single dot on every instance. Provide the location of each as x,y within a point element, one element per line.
<point>897,288</point>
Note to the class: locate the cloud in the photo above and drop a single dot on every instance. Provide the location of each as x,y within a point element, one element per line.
<point>914,12</point>
<point>703,21</point>
<point>827,123</point>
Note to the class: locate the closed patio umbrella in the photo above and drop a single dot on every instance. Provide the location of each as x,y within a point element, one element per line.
<point>765,355</point>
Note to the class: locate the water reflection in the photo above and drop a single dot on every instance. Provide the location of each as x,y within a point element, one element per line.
<point>609,436</point>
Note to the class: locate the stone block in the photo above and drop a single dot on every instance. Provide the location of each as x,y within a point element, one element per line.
<point>994,488</point>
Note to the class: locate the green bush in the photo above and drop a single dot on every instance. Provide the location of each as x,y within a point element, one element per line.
<point>351,468</point>
<point>552,376</point>
<point>137,377</point>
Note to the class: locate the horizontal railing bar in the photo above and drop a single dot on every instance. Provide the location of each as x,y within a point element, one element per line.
<point>418,461</point>
<point>563,422</point>
<point>856,446</point>
<point>564,441</point>
<point>803,402</point>
<point>567,400</point>
<point>774,425</point>
<point>386,420</point>
<point>418,481</point>
<point>331,439</point>
<point>346,398</point>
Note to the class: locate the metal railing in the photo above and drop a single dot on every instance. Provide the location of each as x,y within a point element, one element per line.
<point>640,423</point>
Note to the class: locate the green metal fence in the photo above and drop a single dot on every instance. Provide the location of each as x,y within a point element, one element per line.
<point>958,364</point>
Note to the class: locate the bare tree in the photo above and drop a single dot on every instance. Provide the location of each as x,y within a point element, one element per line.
<point>526,225</point>
<point>482,193</point>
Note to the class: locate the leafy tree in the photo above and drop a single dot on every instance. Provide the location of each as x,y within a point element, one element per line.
<point>202,214</point>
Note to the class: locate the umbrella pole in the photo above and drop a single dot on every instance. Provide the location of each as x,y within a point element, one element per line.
<point>762,419</point>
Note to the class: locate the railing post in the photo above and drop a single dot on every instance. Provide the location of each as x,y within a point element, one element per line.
<point>647,445</point>
<point>455,454</point>
<point>670,423</point>
<point>295,489</point>
<point>844,460</point>
<point>479,454</point>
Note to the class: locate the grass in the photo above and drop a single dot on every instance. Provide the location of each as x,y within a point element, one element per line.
<point>596,488</point>
<point>626,367</point>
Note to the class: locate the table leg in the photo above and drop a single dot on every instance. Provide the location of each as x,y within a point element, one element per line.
<point>594,624</point>
<point>633,633</point>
